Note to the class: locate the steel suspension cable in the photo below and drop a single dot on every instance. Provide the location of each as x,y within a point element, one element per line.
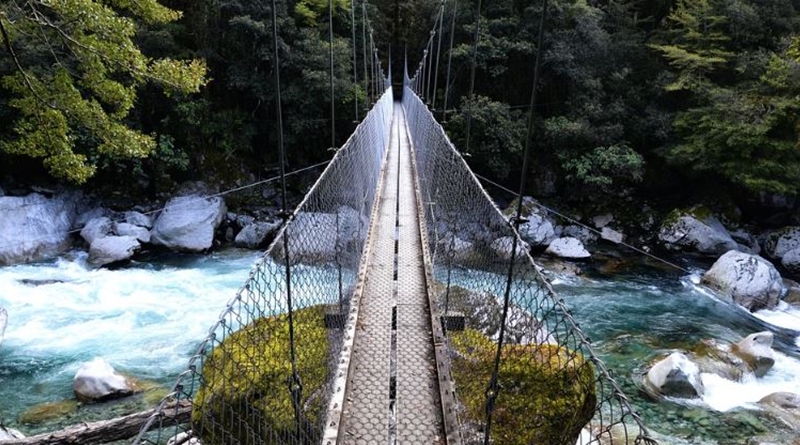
<point>449,60</point>
<point>494,387</point>
<point>330,59</point>
<point>364,48</point>
<point>355,58</point>
<point>295,385</point>
<point>438,52</point>
<point>430,64</point>
<point>472,74</point>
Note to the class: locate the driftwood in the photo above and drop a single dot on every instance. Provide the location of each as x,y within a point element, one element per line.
<point>106,431</point>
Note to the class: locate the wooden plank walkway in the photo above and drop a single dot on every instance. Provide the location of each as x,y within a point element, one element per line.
<point>392,394</point>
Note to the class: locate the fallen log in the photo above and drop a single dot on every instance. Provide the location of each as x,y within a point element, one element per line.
<point>106,431</point>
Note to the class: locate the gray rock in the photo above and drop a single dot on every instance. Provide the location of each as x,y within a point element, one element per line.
<point>98,381</point>
<point>792,295</point>
<point>314,238</point>
<point>455,248</point>
<point>781,242</point>
<point>10,434</point>
<point>609,234</point>
<point>96,228</point>
<point>787,400</point>
<point>716,357</point>
<point>791,261</point>
<point>128,229</point>
<point>582,233</point>
<point>568,247</point>
<point>257,234</point>
<point>94,213</point>
<point>695,230</point>
<point>538,230</point>
<point>601,221</point>
<point>502,248</point>
<point>746,241</point>
<point>187,223</point>
<point>186,438</point>
<point>3,323</point>
<point>675,376</point>
<point>112,249</point>
<point>751,281</point>
<point>35,227</point>
<point>244,220</point>
<point>756,351</point>
<point>139,219</point>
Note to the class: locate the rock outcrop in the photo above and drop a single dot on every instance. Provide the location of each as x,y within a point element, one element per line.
<point>187,223</point>
<point>675,376</point>
<point>35,227</point>
<point>98,381</point>
<point>568,247</point>
<point>751,281</point>
<point>695,230</point>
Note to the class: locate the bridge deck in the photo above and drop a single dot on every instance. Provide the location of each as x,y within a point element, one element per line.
<point>393,395</point>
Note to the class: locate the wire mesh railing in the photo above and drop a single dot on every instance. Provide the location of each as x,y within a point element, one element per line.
<point>523,371</point>
<point>264,373</point>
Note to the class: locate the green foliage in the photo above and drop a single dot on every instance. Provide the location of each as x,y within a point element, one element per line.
<point>695,43</point>
<point>77,68</point>
<point>310,11</point>
<point>496,138</point>
<point>606,166</point>
<point>245,394</point>
<point>547,392</point>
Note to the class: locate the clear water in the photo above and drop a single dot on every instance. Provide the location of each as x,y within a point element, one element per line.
<point>146,319</point>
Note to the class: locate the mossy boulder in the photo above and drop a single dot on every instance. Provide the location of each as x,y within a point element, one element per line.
<point>245,395</point>
<point>547,392</point>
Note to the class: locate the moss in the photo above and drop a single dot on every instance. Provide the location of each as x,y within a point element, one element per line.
<point>245,395</point>
<point>48,411</point>
<point>547,392</point>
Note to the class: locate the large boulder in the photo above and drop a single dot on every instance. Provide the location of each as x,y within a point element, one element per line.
<point>187,223</point>
<point>538,230</point>
<point>35,227</point>
<point>791,261</point>
<point>751,281</point>
<point>548,395</point>
<point>3,322</point>
<point>257,234</point>
<point>96,228</point>
<point>453,248</point>
<point>756,351</point>
<point>695,230</point>
<point>502,247</point>
<point>781,242</point>
<point>98,381</point>
<point>567,247</point>
<point>675,376</point>
<point>112,249</point>
<point>138,232</point>
<point>785,407</point>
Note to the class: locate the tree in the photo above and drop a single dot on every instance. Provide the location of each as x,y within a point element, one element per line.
<point>74,76</point>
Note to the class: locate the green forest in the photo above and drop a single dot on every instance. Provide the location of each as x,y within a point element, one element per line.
<point>637,98</point>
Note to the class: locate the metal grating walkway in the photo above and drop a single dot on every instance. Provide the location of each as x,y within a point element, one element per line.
<point>393,397</point>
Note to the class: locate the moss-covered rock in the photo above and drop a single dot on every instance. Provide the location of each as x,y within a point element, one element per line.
<point>48,411</point>
<point>245,395</point>
<point>547,392</point>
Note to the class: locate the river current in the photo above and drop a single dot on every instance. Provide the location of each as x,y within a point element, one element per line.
<point>146,319</point>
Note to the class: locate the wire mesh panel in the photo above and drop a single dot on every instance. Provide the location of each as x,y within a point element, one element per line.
<point>264,373</point>
<point>523,371</point>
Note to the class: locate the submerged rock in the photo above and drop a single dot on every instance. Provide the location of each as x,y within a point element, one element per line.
<point>695,230</point>
<point>48,411</point>
<point>568,247</point>
<point>675,376</point>
<point>751,281</point>
<point>98,381</point>
<point>756,351</point>
<point>187,223</point>
<point>35,227</point>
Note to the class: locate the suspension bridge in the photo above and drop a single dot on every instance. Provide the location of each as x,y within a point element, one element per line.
<point>396,305</point>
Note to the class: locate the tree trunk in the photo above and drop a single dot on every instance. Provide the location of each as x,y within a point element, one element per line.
<point>106,431</point>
